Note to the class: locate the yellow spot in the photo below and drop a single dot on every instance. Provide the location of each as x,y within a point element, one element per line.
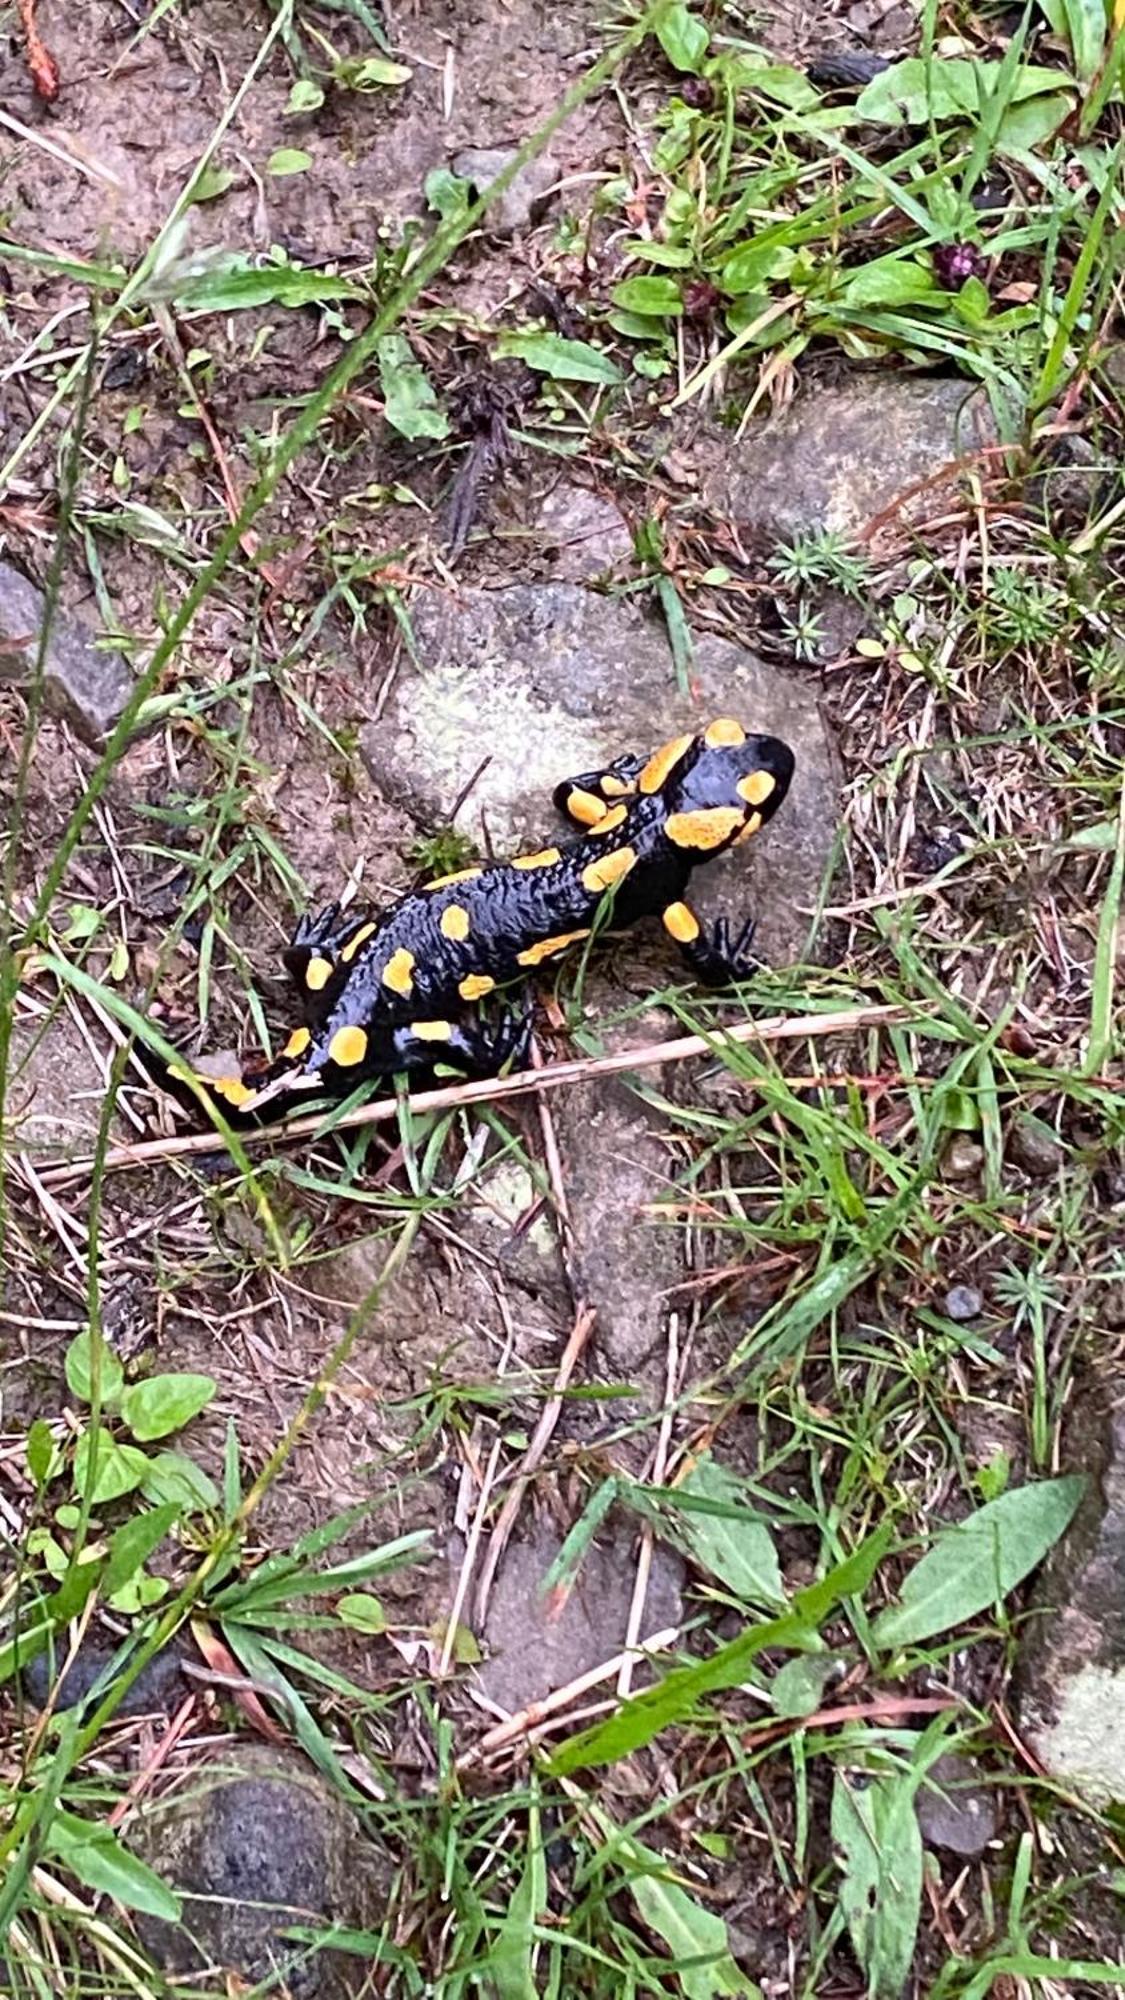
<point>751,827</point>
<point>608,869</point>
<point>616,816</point>
<point>475,985</point>
<point>348,1047</point>
<point>545,858</point>
<point>454,923</point>
<point>549,947</point>
<point>431,1031</point>
<point>710,827</point>
<point>349,950</point>
<point>230,1087</point>
<point>318,972</point>
<point>397,972</point>
<point>724,734</point>
<point>663,762</point>
<point>615,788</point>
<point>756,788</point>
<point>447,881</point>
<point>681,923</point>
<point>298,1042</point>
<point>585,807</point>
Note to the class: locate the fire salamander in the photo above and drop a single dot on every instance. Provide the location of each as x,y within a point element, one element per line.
<point>388,993</point>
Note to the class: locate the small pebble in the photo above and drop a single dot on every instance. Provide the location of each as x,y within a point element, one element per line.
<point>1034,1147</point>
<point>963,1158</point>
<point>963,1302</point>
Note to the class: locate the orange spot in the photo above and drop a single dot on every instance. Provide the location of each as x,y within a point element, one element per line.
<point>708,828</point>
<point>663,762</point>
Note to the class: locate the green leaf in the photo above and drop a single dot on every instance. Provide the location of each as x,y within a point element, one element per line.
<point>683,38</point>
<point>305,95</point>
<point>131,1544</point>
<point>798,1687</point>
<point>289,160</point>
<point>239,287</point>
<point>410,402</point>
<point>1086,29</point>
<point>673,256</point>
<point>697,1940</point>
<point>974,1565</point>
<point>371,73</point>
<point>752,265</point>
<point>362,1612</point>
<point>875,1830</point>
<point>563,360</point>
<point>212,182</point>
<point>165,1403</point>
<point>1025,127</point>
<point>120,1467</point>
<point>447,194</point>
<point>656,298</point>
<point>732,1544</point>
<point>40,1453</point>
<point>174,1477</point>
<point>889,281</point>
<point>913,91</point>
<point>97,1858</point>
<point>77,1367</point>
<point>511,1965</point>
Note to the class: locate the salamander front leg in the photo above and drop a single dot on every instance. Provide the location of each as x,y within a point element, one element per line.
<point>587,799</point>
<point>318,955</point>
<point>715,958</point>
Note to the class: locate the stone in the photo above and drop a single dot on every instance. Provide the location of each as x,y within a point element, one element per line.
<point>547,680</point>
<point>518,207</point>
<point>255,1842</point>
<point>840,458</point>
<point>87,686</point>
<point>534,1647</point>
<point>1034,1147</point>
<point>963,1158</point>
<point>963,1302</point>
<point>56,1089</point>
<point>583,533</point>
<point>954,1809</point>
<point>159,1687</point>
<point>1070,1678</point>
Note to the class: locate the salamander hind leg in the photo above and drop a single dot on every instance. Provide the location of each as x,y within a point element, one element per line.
<point>588,798</point>
<point>480,1048</point>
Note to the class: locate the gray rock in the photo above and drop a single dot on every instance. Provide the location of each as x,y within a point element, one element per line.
<point>532,1649</point>
<point>963,1302</point>
<point>89,687</point>
<point>954,1810</point>
<point>1071,1669</point>
<point>256,1842</point>
<point>159,1687</point>
<point>1034,1147</point>
<point>549,680</point>
<point>518,206</point>
<point>840,458</point>
<point>963,1158</point>
<point>584,533</point>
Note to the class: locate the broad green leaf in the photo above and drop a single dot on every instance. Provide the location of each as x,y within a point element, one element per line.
<point>289,160</point>
<point>752,265</point>
<point>913,91</point>
<point>304,95</point>
<point>778,81</point>
<point>165,1403</point>
<point>797,1688</point>
<point>1026,126</point>
<point>683,38</point>
<point>657,298</point>
<point>563,360</point>
<point>212,182</point>
<point>173,1476</point>
<point>372,73</point>
<point>362,1611</point>
<point>673,256</point>
<point>511,1964</point>
<point>97,1858</point>
<point>120,1467</point>
<point>78,1369</point>
<point>1086,29</point>
<point>41,1453</point>
<point>410,402</point>
<point>890,281</point>
<point>447,194</point>
<point>736,1546</point>
<point>972,1566</point>
<point>697,1940</point>
<point>234,287</point>
<point>133,1542</point>
<point>876,1833</point>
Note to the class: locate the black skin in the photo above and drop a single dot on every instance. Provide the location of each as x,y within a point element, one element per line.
<point>390,992</point>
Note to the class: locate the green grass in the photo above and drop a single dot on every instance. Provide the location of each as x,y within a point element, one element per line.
<point>859,1483</point>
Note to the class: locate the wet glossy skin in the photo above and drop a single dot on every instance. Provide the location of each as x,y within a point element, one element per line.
<point>393,991</point>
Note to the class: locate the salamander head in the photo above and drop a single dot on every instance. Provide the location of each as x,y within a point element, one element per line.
<point>718,787</point>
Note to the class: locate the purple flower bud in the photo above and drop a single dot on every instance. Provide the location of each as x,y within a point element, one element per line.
<point>954,262</point>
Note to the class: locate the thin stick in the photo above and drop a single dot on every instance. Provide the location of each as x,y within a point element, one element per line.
<point>657,1474</point>
<point>537,1712</point>
<point>469,1563</point>
<point>494,1089</point>
<point>91,170</point>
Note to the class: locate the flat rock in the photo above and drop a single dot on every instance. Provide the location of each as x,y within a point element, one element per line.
<point>159,1687</point>
<point>89,687</point>
<point>582,532</point>
<point>839,458</point>
<point>540,681</point>
<point>254,1843</point>
<point>954,1809</point>
<point>517,208</point>
<point>533,1646</point>
<point>1071,1669</point>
